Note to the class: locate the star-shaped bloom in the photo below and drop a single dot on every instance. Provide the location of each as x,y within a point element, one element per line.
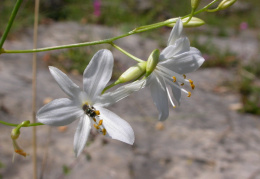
<point>88,105</point>
<point>176,60</point>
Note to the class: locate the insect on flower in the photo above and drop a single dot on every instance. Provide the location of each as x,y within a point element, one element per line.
<point>88,104</point>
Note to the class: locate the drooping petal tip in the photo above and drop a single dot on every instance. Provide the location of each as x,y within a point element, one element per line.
<point>81,135</point>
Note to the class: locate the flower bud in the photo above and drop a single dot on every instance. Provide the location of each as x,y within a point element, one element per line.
<point>132,73</point>
<point>194,22</point>
<point>195,4</point>
<point>225,4</point>
<point>15,133</point>
<point>152,62</point>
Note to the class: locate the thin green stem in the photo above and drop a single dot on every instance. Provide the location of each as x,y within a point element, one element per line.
<point>110,40</point>
<point>192,13</point>
<point>212,10</point>
<point>108,87</point>
<point>16,125</point>
<point>10,22</point>
<point>126,53</point>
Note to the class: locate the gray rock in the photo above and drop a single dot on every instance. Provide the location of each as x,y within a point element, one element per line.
<point>201,139</point>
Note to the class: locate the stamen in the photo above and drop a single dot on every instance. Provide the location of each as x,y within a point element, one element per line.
<point>100,122</point>
<point>191,82</point>
<point>174,79</point>
<point>97,112</point>
<point>182,84</point>
<point>104,131</point>
<point>189,94</point>
<point>94,119</point>
<point>192,86</point>
<point>96,126</point>
<point>184,76</point>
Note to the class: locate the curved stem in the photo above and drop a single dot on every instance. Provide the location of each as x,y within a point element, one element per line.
<point>126,53</point>
<point>192,13</point>
<point>10,22</point>
<point>110,40</point>
<point>15,125</point>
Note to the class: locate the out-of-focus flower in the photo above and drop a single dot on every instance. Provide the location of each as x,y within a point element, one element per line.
<point>243,26</point>
<point>97,5</point>
<point>176,60</point>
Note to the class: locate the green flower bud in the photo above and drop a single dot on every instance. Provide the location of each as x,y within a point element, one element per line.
<point>152,62</point>
<point>225,4</point>
<point>15,133</point>
<point>195,4</point>
<point>132,73</point>
<point>194,22</point>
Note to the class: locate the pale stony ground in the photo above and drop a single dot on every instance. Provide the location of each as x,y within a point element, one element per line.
<point>202,139</point>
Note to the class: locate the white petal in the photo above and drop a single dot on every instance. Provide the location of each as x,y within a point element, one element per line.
<point>98,73</point>
<point>120,93</point>
<point>185,63</point>
<point>180,46</point>
<point>59,112</point>
<point>116,127</point>
<point>176,92</point>
<point>81,134</point>
<point>159,95</point>
<point>176,32</point>
<point>65,83</point>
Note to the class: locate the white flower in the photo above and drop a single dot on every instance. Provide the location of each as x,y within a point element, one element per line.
<point>88,105</point>
<point>176,60</point>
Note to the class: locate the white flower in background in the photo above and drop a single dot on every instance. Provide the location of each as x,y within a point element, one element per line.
<point>87,105</point>
<point>176,60</point>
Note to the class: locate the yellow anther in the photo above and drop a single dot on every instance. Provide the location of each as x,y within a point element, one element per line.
<point>94,119</point>
<point>192,86</point>
<point>189,94</point>
<point>97,112</point>
<point>182,84</point>
<point>174,79</point>
<point>96,126</point>
<point>174,106</point>
<point>191,82</point>
<point>100,122</point>
<point>104,131</point>
<point>184,76</point>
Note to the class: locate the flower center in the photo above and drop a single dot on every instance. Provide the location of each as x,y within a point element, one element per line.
<point>94,115</point>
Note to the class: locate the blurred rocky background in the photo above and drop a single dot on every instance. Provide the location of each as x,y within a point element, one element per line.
<point>214,134</point>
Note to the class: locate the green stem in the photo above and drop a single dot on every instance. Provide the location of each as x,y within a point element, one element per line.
<point>212,10</point>
<point>192,13</point>
<point>16,125</point>
<point>108,87</point>
<point>10,22</point>
<point>110,40</point>
<point>126,53</point>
